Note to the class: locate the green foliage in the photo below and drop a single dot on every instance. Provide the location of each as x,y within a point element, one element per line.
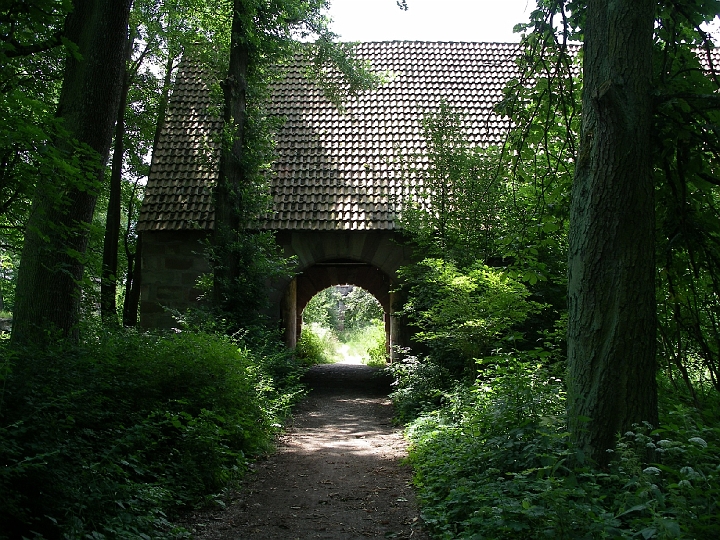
<point>461,315</point>
<point>25,125</point>
<point>377,354</point>
<point>361,310</point>
<point>495,462</point>
<point>110,438</point>
<point>8,275</point>
<point>324,309</point>
<point>335,69</point>
<point>492,460</point>
<point>337,316</point>
<point>687,193</point>
<point>452,207</point>
<point>29,88</point>
<point>245,298</point>
<point>317,345</point>
<point>343,310</point>
<point>419,386</point>
<point>544,105</point>
<point>368,342</point>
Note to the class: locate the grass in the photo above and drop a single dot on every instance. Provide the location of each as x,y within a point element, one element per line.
<point>321,345</point>
<point>317,345</point>
<point>367,343</point>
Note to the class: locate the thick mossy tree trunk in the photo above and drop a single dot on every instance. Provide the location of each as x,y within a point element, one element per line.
<point>52,262</point>
<point>228,192</point>
<point>611,291</point>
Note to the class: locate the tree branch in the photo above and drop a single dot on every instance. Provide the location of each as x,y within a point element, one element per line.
<point>18,49</point>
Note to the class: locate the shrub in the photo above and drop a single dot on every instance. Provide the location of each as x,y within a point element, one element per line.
<point>377,353</point>
<point>109,438</point>
<point>494,462</point>
<point>317,345</point>
<point>419,385</point>
<point>463,314</point>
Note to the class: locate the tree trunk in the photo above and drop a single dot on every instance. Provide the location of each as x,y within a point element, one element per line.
<point>227,197</point>
<point>133,279</point>
<point>611,289</point>
<point>52,262</point>
<point>108,283</point>
<point>133,282</point>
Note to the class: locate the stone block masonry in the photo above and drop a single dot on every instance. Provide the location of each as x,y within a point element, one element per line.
<point>172,262</point>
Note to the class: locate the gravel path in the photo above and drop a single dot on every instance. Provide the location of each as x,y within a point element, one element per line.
<point>337,472</point>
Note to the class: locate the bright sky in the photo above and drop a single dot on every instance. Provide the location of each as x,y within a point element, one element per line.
<point>429,20</point>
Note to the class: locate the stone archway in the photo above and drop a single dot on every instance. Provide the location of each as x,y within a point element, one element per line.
<point>346,272</point>
<point>367,259</point>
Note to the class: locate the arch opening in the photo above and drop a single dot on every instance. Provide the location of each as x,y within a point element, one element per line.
<point>330,273</point>
<point>344,323</point>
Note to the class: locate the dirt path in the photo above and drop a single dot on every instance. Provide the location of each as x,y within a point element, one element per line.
<point>336,474</point>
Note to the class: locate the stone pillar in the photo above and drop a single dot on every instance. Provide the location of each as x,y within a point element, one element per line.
<point>388,333</point>
<point>393,329</point>
<point>289,315</point>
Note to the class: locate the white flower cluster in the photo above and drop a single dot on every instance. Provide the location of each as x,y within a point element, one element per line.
<point>698,440</point>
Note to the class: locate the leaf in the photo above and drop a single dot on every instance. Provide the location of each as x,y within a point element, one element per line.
<point>648,532</point>
<point>635,508</point>
<point>550,226</point>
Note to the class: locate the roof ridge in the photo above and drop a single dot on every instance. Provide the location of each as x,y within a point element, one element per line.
<point>435,41</point>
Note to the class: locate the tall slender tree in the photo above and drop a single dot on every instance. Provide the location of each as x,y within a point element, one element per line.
<point>264,34</point>
<point>227,196</point>
<point>51,267</point>
<point>162,31</point>
<point>108,284</point>
<point>611,290</point>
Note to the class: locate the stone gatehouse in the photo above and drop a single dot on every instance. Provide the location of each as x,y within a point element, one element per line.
<point>336,178</point>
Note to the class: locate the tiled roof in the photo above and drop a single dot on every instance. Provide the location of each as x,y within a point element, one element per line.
<point>335,171</point>
<point>178,194</point>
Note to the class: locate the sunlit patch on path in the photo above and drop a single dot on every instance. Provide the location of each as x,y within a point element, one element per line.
<point>346,356</point>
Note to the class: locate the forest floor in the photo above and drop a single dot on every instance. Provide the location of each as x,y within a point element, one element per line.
<point>337,472</point>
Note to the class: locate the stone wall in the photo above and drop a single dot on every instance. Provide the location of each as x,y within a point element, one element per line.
<point>368,259</point>
<point>172,261</point>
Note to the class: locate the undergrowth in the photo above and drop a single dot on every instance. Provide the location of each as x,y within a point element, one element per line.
<point>367,342</point>
<point>321,345</point>
<point>317,345</point>
<point>114,437</point>
<point>492,460</point>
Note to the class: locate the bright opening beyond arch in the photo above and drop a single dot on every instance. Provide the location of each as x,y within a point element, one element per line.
<point>345,324</point>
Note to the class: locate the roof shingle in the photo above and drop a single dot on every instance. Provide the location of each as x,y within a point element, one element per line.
<point>335,171</point>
